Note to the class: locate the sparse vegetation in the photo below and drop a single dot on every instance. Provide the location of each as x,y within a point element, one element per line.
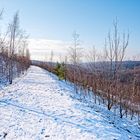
<point>59,70</point>
<point>14,53</point>
<point>106,75</point>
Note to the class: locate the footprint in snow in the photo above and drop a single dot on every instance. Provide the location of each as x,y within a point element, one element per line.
<point>47,136</point>
<point>4,134</point>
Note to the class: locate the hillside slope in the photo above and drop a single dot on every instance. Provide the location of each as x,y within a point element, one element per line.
<point>40,107</point>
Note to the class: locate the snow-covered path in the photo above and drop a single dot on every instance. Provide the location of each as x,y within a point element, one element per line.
<point>39,107</point>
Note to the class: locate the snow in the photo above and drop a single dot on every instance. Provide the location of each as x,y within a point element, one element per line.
<point>40,107</point>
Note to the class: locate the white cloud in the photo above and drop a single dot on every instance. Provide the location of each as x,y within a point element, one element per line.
<point>40,49</point>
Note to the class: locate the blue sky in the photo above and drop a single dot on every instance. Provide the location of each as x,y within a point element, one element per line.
<point>56,19</point>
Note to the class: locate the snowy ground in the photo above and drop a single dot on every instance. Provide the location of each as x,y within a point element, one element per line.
<point>39,107</point>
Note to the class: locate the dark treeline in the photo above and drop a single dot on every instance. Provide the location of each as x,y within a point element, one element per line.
<point>111,80</point>
<point>14,53</point>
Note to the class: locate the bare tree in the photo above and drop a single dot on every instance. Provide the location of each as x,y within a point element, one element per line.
<point>92,57</point>
<point>115,49</point>
<point>51,60</point>
<point>75,51</point>
<point>75,55</point>
<point>14,54</point>
<point>13,33</point>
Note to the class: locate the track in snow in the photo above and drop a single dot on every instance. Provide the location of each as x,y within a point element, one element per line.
<point>40,107</point>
